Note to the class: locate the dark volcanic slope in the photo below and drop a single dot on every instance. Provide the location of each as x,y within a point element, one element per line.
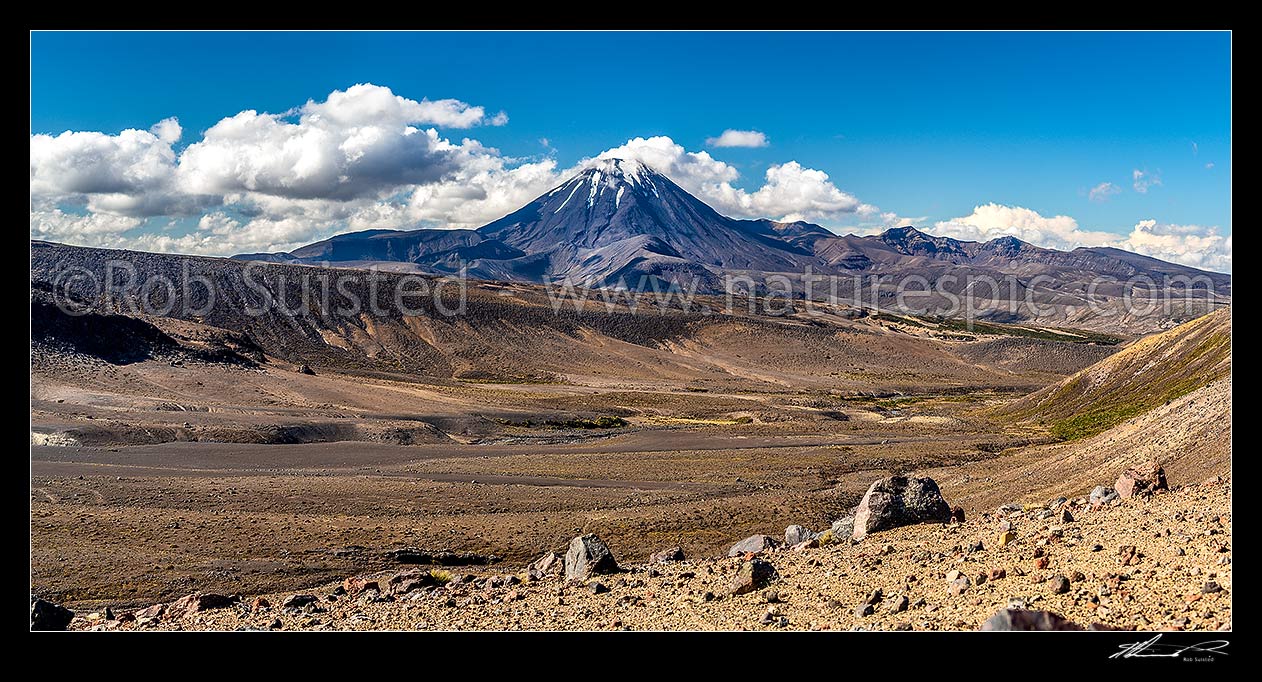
<point>325,318</point>
<point>621,215</point>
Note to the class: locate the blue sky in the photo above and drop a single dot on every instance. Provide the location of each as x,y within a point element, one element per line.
<point>925,126</point>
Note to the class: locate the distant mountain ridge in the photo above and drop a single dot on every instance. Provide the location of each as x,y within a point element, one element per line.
<point>619,218</point>
<point>621,223</point>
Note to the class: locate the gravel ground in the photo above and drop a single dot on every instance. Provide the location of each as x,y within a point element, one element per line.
<point>1179,577</point>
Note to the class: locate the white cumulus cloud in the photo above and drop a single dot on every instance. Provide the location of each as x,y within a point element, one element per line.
<point>356,144</point>
<point>1103,191</point>
<point>57,225</point>
<point>1196,246</point>
<point>738,138</point>
<point>789,190</point>
<point>119,174</point>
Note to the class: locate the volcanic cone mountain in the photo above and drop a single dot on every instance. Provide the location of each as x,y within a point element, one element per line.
<point>622,223</point>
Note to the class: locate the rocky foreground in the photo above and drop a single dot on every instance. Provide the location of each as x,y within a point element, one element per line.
<point>1135,556</point>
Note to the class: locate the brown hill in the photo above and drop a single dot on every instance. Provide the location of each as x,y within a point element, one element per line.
<point>1149,373</point>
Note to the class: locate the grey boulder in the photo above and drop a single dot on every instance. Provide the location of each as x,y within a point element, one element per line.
<point>588,555</point>
<point>796,534</point>
<point>899,501</point>
<point>1102,495</point>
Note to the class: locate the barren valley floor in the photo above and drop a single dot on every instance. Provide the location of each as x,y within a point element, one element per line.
<point>137,523</point>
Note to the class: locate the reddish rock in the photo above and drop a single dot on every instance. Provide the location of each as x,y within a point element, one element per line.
<point>997,574</point>
<point>1041,562</point>
<point>806,544</point>
<point>550,564</point>
<point>754,544</point>
<point>1144,479</point>
<point>198,601</point>
<point>753,575</point>
<point>1128,554</point>
<point>154,611</point>
<point>355,584</point>
<point>259,604</point>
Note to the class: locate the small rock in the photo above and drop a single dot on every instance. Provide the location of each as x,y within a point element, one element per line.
<point>753,575</point>
<point>796,534</point>
<point>1066,517</point>
<point>957,514</point>
<point>899,604</point>
<point>1101,495</point>
<point>1057,503</point>
<point>275,624</point>
<point>1006,538</point>
<point>952,576</point>
<point>667,556</point>
<point>958,586</point>
<point>153,612</point>
<point>842,529</point>
<point>1097,548</point>
<point>1059,584</point>
<point>259,604</point>
<point>754,544</point>
<point>1128,554</point>
<point>1211,587</point>
<point>864,610</point>
<point>1077,577</point>
<point>298,601</point>
<point>997,574</point>
<point>598,588</point>
<point>771,596</point>
<point>354,585</point>
<point>197,602</point>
